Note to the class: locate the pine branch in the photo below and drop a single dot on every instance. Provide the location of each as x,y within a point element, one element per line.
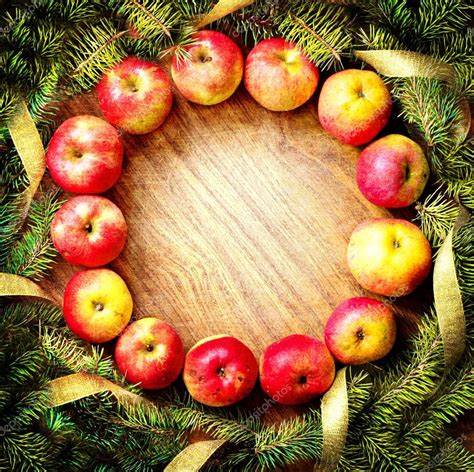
<point>34,253</point>
<point>320,29</point>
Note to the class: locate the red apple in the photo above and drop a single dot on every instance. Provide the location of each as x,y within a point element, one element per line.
<point>392,171</point>
<point>97,305</point>
<point>150,353</point>
<point>390,257</point>
<point>296,369</point>
<point>354,106</point>
<point>135,95</point>
<point>279,75</point>
<point>220,371</point>
<point>89,230</point>
<point>360,330</point>
<point>213,70</point>
<point>85,155</point>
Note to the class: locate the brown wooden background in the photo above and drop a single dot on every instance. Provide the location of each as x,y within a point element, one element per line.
<point>238,222</point>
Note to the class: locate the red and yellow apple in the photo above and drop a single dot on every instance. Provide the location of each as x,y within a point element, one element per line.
<point>85,155</point>
<point>212,71</point>
<point>296,369</point>
<point>392,171</point>
<point>279,76</point>
<point>354,105</point>
<point>360,330</point>
<point>220,371</point>
<point>390,257</point>
<point>135,95</point>
<point>89,230</point>
<point>150,353</point>
<point>97,305</point>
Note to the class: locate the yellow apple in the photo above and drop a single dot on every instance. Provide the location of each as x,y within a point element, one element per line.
<point>97,305</point>
<point>390,257</point>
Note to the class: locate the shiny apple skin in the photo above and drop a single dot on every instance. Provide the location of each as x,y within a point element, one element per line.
<point>85,155</point>
<point>213,70</point>
<point>296,369</point>
<point>135,95</point>
<point>220,371</point>
<point>89,230</point>
<point>150,353</point>
<point>97,305</point>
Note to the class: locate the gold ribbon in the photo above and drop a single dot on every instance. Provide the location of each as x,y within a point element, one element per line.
<point>395,63</point>
<point>194,456</point>
<point>335,421</point>
<point>223,8</point>
<point>448,299</point>
<point>71,388</point>
<point>28,144</point>
<point>14,285</point>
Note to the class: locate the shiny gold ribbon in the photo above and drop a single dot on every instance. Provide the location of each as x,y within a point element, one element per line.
<point>28,144</point>
<point>71,388</point>
<point>194,456</point>
<point>223,8</point>
<point>395,63</point>
<point>448,299</point>
<point>14,285</point>
<point>335,422</point>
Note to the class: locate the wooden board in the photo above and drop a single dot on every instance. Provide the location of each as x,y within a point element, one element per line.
<point>239,219</point>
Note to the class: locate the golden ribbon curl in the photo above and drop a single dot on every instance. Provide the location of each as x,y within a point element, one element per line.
<point>16,286</point>
<point>335,421</point>
<point>223,8</point>
<point>28,144</point>
<point>448,299</point>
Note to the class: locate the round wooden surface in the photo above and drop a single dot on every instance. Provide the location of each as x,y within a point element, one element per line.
<point>238,218</point>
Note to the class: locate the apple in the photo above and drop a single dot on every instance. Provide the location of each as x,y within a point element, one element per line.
<point>85,155</point>
<point>390,257</point>
<point>360,330</point>
<point>97,305</point>
<point>392,172</point>
<point>89,230</point>
<point>279,76</point>
<point>220,371</point>
<point>150,353</point>
<point>135,95</point>
<point>296,369</point>
<point>212,71</point>
<point>354,105</point>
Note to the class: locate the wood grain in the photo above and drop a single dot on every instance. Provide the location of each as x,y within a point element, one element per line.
<point>239,219</point>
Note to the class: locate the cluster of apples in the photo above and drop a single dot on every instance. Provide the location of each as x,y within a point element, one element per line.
<point>389,257</point>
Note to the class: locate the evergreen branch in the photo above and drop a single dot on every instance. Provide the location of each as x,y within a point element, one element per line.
<point>34,253</point>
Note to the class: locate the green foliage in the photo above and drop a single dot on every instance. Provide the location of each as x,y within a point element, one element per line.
<point>397,415</point>
<point>34,253</point>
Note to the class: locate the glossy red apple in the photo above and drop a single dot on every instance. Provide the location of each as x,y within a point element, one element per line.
<point>361,330</point>
<point>392,171</point>
<point>213,70</point>
<point>220,371</point>
<point>85,155</point>
<point>89,230</point>
<point>296,369</point>
<point>354,106</point>
<point>150,353</point>
<point>279,76</point>
<point>135,95</point>
<point>97,305</point>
